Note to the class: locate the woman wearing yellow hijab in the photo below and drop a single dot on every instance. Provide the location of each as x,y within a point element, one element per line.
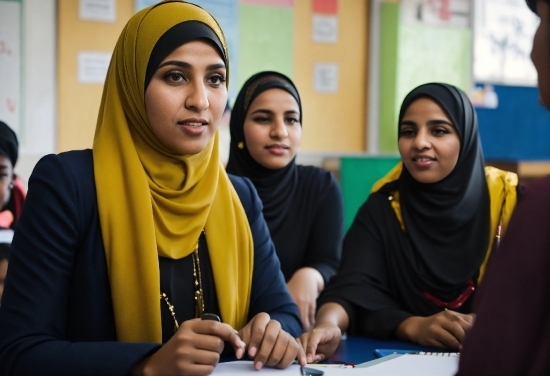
<point>121,250</point>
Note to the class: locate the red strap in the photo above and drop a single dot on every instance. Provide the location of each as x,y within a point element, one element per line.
<point>459,301</point>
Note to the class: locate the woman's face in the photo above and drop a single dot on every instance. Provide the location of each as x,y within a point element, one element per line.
<point>6,180</point>
<point>540,54</point>
<point>428,142</point>
<point>186,97</point>
<point>272,128</point>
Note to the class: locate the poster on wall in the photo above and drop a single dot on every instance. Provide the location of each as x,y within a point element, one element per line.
<point>503,36</point>
<point>11,106</point>
<point>450,13</point>
<point>97,10</point>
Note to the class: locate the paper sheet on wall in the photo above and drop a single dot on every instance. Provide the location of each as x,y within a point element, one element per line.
<point>97,10</point>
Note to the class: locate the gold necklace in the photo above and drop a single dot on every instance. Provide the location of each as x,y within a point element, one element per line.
<point>199,294</point>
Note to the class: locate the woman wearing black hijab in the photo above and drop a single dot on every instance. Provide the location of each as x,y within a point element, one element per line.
<point>418,247</point>
<point>12,191</point>
<point>301,204</point>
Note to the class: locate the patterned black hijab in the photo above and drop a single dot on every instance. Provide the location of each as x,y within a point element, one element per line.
<point>448,221</point>
<point>276,188</point>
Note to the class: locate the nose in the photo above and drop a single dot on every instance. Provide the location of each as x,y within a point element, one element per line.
<point>422,140</point>
<point>197,97</point>
<point>278,129</point>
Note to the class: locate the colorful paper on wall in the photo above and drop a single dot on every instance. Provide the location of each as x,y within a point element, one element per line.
<point>325,6</point>
<point>273,3</point>
<point>97,10</point>
<point>140,4</point>
<point>266,38</point>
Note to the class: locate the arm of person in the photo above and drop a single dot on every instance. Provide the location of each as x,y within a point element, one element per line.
<point>304,287</point>
<point>273,316</point>
<point>445,329</point>
<point>323,252</point>
<point>34,313</point>
<point>194,349</point>
<point>322,341</point>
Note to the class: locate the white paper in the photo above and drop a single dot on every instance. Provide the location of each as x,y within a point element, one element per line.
<point>325,29</point>
<point>92,67</point>
<point>452,13</point>
<point>413,365</point>
<point>325,78</point>
<point>97,10</point>
<point>240,368</point>
<point>6,236</point>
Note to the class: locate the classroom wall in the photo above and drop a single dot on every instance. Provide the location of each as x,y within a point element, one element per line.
<point>416,54</point>
<point>78,103</point>
<point>518,129</point>
<point>37,103</point>
<point>332,122</point>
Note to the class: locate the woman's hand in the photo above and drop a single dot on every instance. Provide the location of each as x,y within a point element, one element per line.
<point>304,287</point>
<point>320,342</point>
<point>193,350</point>
<point>269,345</point>
<point>445,329</point>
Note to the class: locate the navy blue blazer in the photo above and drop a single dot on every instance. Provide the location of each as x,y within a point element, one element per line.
<point>56,315</point>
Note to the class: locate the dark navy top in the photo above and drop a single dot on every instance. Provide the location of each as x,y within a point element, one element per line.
<point>57,315</point>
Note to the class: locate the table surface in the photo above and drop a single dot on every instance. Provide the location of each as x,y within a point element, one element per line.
<point>361,349</point>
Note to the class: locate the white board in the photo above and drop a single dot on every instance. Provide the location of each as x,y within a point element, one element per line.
<point>503,37</point>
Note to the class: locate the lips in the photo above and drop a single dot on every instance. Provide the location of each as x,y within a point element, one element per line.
<point>423,159</point>
<point>193,122</point>
<point>277,146</point>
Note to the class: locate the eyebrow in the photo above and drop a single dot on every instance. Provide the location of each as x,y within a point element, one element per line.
<point>271,112</point>
<point>183,64</point>
<point>430,122</point>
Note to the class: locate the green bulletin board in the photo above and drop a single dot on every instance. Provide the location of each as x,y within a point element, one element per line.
<point>416,54</point>
<point>266,40</point>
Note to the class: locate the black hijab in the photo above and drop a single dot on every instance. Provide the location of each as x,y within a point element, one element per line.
<point>448,222</point>
<point>276,188</point>
<point>9,146</point>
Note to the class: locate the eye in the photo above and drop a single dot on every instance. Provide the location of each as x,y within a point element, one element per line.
<point>174,77</point>
<point>217,80</point>
<point>292,120</point>
<point>262,119</point>
<point>440,131</point>
<point>407,132</point>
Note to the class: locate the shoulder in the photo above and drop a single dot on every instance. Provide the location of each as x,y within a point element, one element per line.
<point>316,179</point>
<point>76,161</point>
<point>537,195</point>
<point>247,194</point>
<point>502,178</point>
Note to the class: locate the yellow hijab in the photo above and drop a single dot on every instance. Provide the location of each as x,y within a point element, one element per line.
<point>502,193</point>
<point>153,202</point>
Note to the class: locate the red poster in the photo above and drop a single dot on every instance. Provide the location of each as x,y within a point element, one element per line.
<point>325,7</point>
<point>277,3</point>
